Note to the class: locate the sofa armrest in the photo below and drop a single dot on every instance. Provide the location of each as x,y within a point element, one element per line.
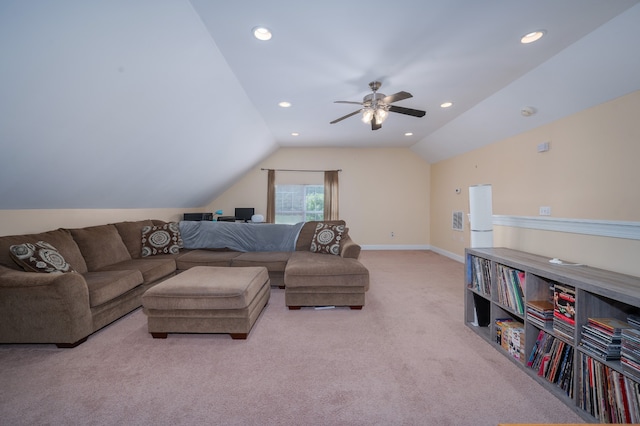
<point>43,308</point>
<point>349,248</point>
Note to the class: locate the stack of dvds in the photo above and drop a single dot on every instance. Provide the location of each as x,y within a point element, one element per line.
<point>564,311</point>
<point>634,321</point>
<point>540,313</point>
<point>602,337</point>
<point>630,348</point>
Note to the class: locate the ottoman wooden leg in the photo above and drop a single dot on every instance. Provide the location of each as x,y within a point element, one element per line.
<point>356,307</point>
<point>159,335</point>
<point>238,336</point>
<point>294,308</point>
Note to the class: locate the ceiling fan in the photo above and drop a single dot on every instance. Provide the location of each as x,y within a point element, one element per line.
<point>376,106</point>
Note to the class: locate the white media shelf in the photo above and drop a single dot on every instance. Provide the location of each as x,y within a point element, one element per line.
<point>598,294</point>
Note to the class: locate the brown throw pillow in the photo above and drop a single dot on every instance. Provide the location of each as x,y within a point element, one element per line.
<point>39,257</point>
<point>326,238</point>
<point>164,239</point>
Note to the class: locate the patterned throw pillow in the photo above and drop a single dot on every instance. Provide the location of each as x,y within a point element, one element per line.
<point>327,238</point>
<point>163,239</point>
<point>39,257</point>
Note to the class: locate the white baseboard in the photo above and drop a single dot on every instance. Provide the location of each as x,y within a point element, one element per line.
<point>395,247</point>
<point>445,253</point>
<point>448,254</point>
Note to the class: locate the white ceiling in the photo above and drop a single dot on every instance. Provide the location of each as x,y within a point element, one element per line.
<point>120,104</point>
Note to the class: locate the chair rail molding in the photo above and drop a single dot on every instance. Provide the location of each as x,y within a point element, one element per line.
<point>604,228</point>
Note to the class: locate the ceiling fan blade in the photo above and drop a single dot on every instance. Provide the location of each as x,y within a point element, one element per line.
<point>407,111</point>
<point>397,97</point>
<point>347,102</point>
<point>346,116</point>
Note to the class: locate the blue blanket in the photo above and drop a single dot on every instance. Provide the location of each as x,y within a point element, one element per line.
<point>239,236</point>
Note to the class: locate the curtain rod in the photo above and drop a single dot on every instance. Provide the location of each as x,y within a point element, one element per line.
<point>299,170</point>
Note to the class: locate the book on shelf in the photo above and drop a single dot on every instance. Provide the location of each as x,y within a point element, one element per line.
<point>499,326</point>
<point>564,299</point>
<point>607,394</point>
<point>564,310</point>
<point>510,335</point>
<point>552,359</point>
<point>540,313</point>
<point>480,275</point>
<point>511,285</point>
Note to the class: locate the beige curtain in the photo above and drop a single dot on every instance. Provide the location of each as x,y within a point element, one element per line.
<point>271,196</point>
<point>331,195</point>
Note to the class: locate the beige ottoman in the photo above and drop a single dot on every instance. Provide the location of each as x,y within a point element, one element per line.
<point>313,279</point>
<point>207,299</point>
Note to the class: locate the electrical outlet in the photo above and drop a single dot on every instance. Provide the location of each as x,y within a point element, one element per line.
<point>393,234</point>
<point>545,211</point>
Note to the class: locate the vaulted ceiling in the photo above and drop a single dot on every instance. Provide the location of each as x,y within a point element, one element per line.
<point>146,103</point>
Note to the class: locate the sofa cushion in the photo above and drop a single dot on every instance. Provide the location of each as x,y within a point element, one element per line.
<point>107,285</point>
<point>272,260</point>
<point>164,239</point>
<point>152,269</point>
<point>100,245</point>
<point>192,258</point>
<point>306,269</point>
<point>308,230</point>
<point>61,239</point>
<point>39,257</point>
<point>130,234</point>
<point>326,239</point>
<point>207,289</point>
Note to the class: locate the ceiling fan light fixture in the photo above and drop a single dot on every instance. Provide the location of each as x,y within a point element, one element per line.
<point>377,106</point>
<point>381,115</point>
<point>262,33</point>
<point>532,36</point>
<point>367,115</point>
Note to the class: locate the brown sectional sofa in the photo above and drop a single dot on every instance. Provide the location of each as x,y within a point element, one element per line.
<point>110,276</point>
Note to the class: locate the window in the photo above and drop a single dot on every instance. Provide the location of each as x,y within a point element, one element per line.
<point>299,203</point>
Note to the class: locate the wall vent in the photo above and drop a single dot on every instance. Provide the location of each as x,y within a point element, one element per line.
<point>457,222</point>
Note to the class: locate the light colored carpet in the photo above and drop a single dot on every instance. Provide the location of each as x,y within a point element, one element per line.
<point>405,359</point>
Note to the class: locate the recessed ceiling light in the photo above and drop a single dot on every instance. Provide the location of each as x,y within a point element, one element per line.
<point>408,134</point>
<point>295,134</point>
<point>446,104</point>
<point>532,36</point>
<point>262,33</point>
<point>285,104</point>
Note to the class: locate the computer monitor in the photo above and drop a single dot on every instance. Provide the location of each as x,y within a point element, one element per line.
<point>244,213</point>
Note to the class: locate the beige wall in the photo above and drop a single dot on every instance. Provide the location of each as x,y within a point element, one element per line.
<point>15,222</point>
<point>382,190</point>
<point>590,172</point>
